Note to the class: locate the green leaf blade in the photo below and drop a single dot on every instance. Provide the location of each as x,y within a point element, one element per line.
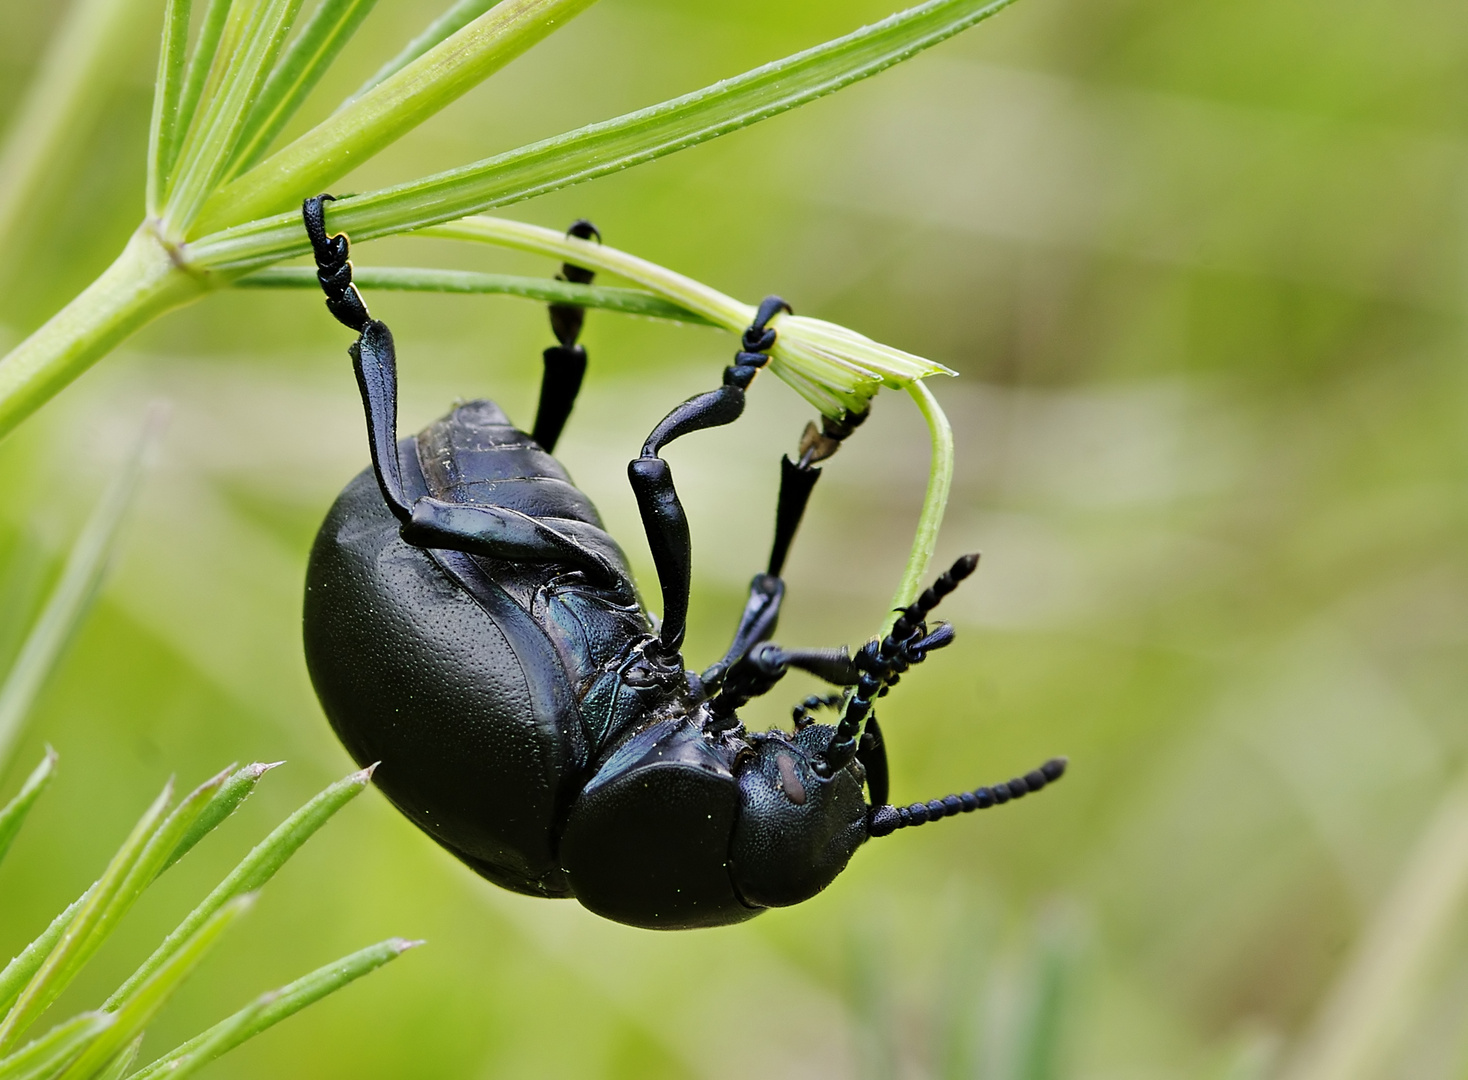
<point>201,63</point>
<point>255,34</point>
<point>258,867</point>
<point>273,1008</point>
<point>13,816</point>
<point>167,90</point>
<point>450,22</point>
<point>78,940</point>
<point>54,1050</point>
<point>388,111</point>
<point>306,59</point>
<point>134,1013</point>
<point>603,148</point>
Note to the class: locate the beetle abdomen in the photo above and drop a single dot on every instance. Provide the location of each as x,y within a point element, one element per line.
<point>475,455</point>
<point>460,696</point>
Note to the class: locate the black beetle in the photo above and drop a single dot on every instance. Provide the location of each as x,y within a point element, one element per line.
<point>470,626</point>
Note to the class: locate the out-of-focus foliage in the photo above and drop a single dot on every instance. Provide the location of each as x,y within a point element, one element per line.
<point>1202,269</point>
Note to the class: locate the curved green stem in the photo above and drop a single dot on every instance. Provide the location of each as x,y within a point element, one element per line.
<point>940,480</point>
<point>141,284</point>
<point>543,290</point>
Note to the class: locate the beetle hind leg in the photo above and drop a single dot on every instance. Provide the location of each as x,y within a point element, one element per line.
<point>565,362</point>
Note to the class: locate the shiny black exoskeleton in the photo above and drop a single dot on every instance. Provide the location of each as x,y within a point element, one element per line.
<point>471,626</point>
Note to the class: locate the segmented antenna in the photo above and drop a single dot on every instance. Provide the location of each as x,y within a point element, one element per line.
<point>880,662</point>
<point>882,820</point>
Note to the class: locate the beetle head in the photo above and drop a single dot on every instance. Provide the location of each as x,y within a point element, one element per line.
<point>796,829</point>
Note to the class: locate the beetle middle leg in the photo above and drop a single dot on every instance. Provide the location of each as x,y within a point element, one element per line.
<point>767,591</point>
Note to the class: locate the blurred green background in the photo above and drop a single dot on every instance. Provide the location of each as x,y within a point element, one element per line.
<point>1201,266</point>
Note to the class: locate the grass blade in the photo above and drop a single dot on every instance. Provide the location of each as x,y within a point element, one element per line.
<point>77,940</point>
<point>330,27</point>
<point>274,1008</point>
<point>451,21</point>
<point>24,965</point>
<point>13,816</point>
<point>258,867</point>
<point>544,290</point>
<point>388,111</point>
<point>121,1062</point>
<point>72,596</point>
<point>75,74</point>
<point>575,156</point>
<point>234,791</point>
<point>141,1006</point>
<point>201,63</point>
<point>168,87</point>
<point>253,35</point>
<point>1359,1030</point>
<point>51,1053</point>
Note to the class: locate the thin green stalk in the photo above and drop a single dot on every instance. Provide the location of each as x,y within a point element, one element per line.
<point>571,158</point>
<point>53,1051</point>
<point>388,111</point>
<point>13,814</point>
<point>70,599</point>
<point>163,133</point>
<point>201,63</point>
<point>135,1013</point>
<point>935,500</point>
<point>837,370</point>
<point>330,27</point>
<point>542,290</point>
<point>451,21</point>
<point>256,33</point>
<point>140,285</point>
<point>258,867</point>
<point>76,940</point>
<point>284,1003</point>
<point>24,965</point>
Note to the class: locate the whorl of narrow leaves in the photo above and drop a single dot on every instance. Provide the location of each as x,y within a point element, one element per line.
<point>102,1044</point>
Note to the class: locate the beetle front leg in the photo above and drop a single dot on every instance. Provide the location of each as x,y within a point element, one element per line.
<point>565,363</point>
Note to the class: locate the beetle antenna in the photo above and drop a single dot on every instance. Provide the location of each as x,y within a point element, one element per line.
<point>883,820</point>
<point>880,662</point>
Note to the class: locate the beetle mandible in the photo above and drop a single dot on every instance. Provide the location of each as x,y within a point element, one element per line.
<point>471,626</point>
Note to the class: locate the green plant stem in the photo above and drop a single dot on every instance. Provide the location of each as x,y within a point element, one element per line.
<point>451,21</point>
<point>141,284</point>
<point>935,500</point>
<point>387,111</point>
<point>542,290</point>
